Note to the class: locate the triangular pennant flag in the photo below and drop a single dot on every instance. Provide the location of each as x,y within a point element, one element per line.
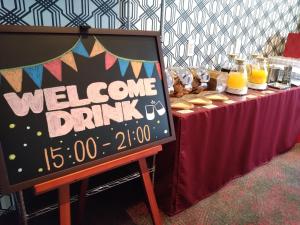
<point>158,69</point>
<point>136,67</point>
<point>109,60</point>
<point>54,67</point>
<point>149,68</point>
<point>14,77</point>
<point>123,64</point>
<point>68,59</point>
<point>97,49</point>
<point>80,49</point>
<point>36,74</point>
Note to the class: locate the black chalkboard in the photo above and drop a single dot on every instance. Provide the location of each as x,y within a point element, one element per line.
<point>70,100</point>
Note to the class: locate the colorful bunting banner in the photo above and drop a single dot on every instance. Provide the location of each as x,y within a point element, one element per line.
<point>97,49</point>
<point>14,77</point>
<point>136,68</point>
<point>80,49</point>
<point>123,64</point>
<point>149,68</point>
<point>68,59</point>
<point>109,60</point>
<point>158,69</point>
<point>35,73</point>
<point>54,67</point>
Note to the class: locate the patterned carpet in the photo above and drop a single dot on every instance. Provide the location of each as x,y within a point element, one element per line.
<point>268,195</point>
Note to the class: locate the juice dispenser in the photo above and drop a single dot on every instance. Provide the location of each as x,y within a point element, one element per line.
<point>237,80</point>
<point>258,74</point>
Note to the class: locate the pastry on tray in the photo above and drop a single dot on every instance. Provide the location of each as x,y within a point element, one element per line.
<point>180,104</point>
<point>197,100</point>
<point>217,97</point>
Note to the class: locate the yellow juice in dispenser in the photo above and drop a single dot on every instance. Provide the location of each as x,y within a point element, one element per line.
<point>236,80</point>
<point>259,75</point>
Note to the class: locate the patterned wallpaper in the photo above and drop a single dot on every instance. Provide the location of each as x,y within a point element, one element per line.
<point>217,27</point>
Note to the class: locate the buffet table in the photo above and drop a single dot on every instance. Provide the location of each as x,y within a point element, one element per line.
<point>214,146</point>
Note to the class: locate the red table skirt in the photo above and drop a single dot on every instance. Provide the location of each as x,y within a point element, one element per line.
<point>214,146</point>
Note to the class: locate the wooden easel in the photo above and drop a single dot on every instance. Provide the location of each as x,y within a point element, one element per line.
<point>63,184</point>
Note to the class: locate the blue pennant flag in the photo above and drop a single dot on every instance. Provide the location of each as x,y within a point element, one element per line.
<point>80,49</point>
<point>123,64</point>
<point>35,73</point>
<point>149,68</point>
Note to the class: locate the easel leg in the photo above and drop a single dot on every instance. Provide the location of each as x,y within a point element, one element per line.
<point>23,220</point>
<point>150,192</point>
<point>82,200</point>
<point>64,205</point>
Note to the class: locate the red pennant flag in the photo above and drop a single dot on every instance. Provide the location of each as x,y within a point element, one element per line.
<point>158,69</point>
<point>54,67</point>
<point>109,60</point>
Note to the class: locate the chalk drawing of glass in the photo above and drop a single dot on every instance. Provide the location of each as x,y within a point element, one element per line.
<point>160,109</point>
<point>150,114</point>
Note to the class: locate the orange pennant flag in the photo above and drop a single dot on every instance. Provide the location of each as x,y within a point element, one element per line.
<point>14,77</point>
<point>136,67</point>
<point>97,49</point>
<point>68,59</point>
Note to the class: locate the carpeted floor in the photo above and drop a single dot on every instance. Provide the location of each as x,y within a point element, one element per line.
<point>268,195</point>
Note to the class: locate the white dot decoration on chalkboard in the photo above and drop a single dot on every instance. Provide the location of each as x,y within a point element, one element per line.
<point>125,124</point>
<point>12,126</point>
<point>40,170</point>
<point>134,139</point>
<point>39,133</point>
<point>70,156</point>
<point>28,127</point>
<point>137,121</point>
<point>75,135</point>
<point>97,137</point>
<point>111,128</point>
<point>165,131</point>
<point>61,141</point>
<point>132,132</point>
<point>12,157</point>
<point>158,121</point>
<point>68,149</point>
<point>20,170</point>
<point>103,153</point>
<point>153,128</point>
<point>73,163</point>
<point>25,144</point>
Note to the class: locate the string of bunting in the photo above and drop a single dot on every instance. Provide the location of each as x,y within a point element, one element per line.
<point>136,65</point>
<point>14,76</point>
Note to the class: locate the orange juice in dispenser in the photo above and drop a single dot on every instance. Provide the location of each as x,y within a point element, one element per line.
<point>237,80</point>
<point>258,74</point>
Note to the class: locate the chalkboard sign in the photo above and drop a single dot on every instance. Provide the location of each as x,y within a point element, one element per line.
<point>70,100</point>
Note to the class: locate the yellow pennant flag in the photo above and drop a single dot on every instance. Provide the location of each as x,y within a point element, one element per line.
<point>97,49</point>
<point>136,67</point>
<point>14,77</point>
<point>68,59</point>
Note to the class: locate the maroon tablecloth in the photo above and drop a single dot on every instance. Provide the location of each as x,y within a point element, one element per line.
<point>214,146</point>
